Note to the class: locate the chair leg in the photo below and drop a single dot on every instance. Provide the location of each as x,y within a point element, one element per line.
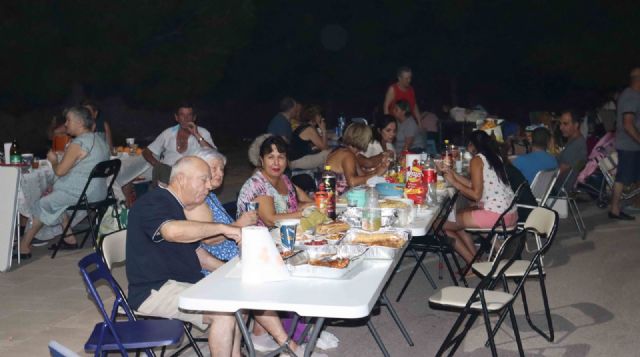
<point>458,268</point>
<point>487,324</point>
<point>579,216</point>
<point>549,337</point>
<point>450,269</point>
<point>410,278</point>
<point>64,234</point>
<point>454,340</point>
<point>516,332</point>
<point>465,330</point>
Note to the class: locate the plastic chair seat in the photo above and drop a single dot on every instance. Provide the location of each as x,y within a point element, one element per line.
<point>136,334</point>
<point>517,269</point>
<point>457,296</point>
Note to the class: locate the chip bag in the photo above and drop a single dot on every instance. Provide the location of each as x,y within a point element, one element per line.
<point>414,188</point>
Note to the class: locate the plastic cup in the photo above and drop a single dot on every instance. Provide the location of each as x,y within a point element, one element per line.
<point>288,233</point>
<point>130,141</point>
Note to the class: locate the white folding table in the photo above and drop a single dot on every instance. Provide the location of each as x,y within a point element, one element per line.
<point>352,297</point>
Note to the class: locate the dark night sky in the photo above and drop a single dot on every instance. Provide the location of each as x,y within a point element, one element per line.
<point>509,56</point>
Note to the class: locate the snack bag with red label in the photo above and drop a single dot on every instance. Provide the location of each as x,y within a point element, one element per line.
<point>414,189</point>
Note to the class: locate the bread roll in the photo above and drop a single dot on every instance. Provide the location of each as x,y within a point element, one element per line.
<point>332,228</point>
<point>390,240</point>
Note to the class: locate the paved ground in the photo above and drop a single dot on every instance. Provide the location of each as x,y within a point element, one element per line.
<point>592,285</point>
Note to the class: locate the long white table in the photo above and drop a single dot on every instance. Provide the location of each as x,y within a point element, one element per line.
<point>349,298</point>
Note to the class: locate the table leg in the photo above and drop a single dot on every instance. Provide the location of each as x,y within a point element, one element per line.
<point>384,300</point>
<point>245,333</point>
<point>376,337</point>
<point>317,328</point>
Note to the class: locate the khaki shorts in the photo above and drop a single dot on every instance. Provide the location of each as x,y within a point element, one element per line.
<point>164,303</point>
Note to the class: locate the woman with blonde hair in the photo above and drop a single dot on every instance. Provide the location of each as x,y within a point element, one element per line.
<point>343,160</point>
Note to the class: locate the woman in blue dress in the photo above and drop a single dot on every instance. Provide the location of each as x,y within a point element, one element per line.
<point>84,152</point>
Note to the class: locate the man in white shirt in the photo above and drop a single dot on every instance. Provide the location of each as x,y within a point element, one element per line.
<point>180,140</point>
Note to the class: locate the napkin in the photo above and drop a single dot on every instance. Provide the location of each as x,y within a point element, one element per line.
<point>261,261</point>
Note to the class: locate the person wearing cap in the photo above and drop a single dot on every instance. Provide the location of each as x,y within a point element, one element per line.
<point>627,143</point>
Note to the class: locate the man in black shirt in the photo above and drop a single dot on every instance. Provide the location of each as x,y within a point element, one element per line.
<point>161,251</point>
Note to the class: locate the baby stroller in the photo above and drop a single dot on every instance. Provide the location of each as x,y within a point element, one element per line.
<point>608,167</point>
<point>591,179</point>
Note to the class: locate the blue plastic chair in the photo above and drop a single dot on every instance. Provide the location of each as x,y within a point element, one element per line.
<point>112,335</point>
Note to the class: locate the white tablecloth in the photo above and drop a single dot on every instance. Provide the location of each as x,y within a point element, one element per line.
<point>132,167</point>
<point>33,185</point>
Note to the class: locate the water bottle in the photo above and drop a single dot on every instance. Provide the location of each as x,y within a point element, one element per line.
<point>371,214</point>
<point>342,122</point>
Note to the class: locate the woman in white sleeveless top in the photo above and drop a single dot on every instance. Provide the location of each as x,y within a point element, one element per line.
<point>488,186</point>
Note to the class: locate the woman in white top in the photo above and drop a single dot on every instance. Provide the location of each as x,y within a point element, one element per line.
<point>384,133</point>
<point>488,186</point>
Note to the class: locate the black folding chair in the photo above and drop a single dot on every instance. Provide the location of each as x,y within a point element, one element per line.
<point>95,210</point>
<point>436,242</point>
<point>541,222</point>
<point>481,300</point>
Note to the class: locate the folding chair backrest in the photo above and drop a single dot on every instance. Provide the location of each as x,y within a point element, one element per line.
<point>500,223</point>
<point>114,248</point>
<point>510,250</point>
<point>103,169</point>
<point>94,270</point>
<point>543,221</point>
<point>441,218</point>
<point>542,185</point>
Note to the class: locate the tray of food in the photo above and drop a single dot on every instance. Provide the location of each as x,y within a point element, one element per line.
<point>383,244</point>
<point>329,262</point>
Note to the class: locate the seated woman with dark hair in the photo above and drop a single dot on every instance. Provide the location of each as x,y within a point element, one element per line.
<point>277,197</point>
<point>381,147</point>
<point>489,187</point>
<point>308,148</point>
<point>343,160</point>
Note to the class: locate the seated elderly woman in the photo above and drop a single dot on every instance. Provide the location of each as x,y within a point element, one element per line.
<point>276,196</point>
<point>213,256</point>
<point>80,157</point>
<point>308,148</point>
<point>343,160</point>
<point>488,186</point>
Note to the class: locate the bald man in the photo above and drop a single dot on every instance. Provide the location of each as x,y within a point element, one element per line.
<point>161,251</point>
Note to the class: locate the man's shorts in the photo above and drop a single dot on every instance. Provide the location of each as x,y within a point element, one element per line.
<point>628,167</point>
<point>164,303</point>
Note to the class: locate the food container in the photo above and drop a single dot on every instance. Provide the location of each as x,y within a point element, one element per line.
<point>390,189</point>
<point>378,251</point>
<point>357,195</point>
<point>311,271</point>
<point>353,216</point>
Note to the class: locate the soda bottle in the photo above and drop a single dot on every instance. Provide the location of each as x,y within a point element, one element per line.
<point>430,180</point>
<point>321,199</point>
<point>342,122</point>
<point>15,157</point>
<point>371,214</point>
<point>447,158</point>
<point>329,182</point>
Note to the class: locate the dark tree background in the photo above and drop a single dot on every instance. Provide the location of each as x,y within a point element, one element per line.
<point>236,58</point>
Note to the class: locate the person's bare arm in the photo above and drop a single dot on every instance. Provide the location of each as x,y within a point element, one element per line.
<point>416,112</point>
<point>267,211</point>
<point>303,199</point>
<point>73,153</point>
<point>193,130</point>
<point>628,122</point>
<point>474,191</point>
<point>350,170</point>
<point>369,162</point>
<point>191,231</point>
<point>107,134</point>
<point>207,261</point>
<point>148,155</point>
<point>388,98</point>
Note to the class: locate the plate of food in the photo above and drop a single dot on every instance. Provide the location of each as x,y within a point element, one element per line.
<point>329,262</point>
<point>383,244</point>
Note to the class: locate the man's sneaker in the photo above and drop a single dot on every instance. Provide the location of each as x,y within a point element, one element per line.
<point>264,343</point>
<point>39,243</point>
